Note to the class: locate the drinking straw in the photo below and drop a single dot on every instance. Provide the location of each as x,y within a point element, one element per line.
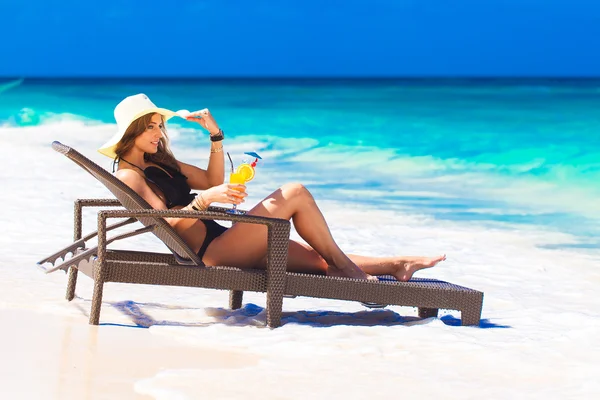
<point>231,161</point>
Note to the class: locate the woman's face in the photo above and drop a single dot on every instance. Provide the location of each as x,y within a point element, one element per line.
<point>148,140</point>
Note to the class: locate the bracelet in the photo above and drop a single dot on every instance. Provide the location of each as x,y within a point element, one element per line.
<point>217,137</point>
<point>198,204</point>
<point>217,150</point>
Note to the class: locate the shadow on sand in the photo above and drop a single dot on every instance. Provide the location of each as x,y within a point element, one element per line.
<point>253,315</point>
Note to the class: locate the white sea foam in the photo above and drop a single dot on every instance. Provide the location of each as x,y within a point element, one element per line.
<point>538,337</point>
<point>478,181</point>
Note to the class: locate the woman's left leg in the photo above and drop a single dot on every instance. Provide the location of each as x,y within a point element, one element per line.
<point>302,258</point>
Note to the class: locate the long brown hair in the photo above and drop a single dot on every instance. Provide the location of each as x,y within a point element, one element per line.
<point>162,156</point>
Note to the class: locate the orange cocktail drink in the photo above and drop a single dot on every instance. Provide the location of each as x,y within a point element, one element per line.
<point>244,173</point>
<point>237,178</point>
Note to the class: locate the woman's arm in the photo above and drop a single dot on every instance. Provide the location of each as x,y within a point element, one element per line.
<point>200,179</point>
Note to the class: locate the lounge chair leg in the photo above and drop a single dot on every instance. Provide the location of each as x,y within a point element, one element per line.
<point>428,312</point>
<point>470,317</point>
<point>235,299</point>
<point>96,303</point>
<point>274,310</point>
<point>72,283</point>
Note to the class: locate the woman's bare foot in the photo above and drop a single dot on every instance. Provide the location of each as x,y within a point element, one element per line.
<point>408,268</point>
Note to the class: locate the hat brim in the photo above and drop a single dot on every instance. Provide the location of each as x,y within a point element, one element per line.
<point>108,148</point>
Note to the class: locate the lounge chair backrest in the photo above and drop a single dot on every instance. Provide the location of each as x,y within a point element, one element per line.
<point>132,201</point>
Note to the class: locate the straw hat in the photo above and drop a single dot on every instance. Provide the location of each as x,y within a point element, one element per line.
<point>127,111</point>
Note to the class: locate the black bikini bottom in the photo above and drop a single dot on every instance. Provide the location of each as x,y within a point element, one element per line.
<point>213,231</point>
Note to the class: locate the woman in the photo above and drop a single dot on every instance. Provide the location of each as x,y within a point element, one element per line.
<point>146,164</point>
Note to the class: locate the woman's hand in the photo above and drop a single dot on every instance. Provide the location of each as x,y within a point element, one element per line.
<point>228,193</point>
<point>205,119</point>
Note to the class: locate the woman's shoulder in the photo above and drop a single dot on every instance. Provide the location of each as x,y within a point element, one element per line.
<point>130,177</point>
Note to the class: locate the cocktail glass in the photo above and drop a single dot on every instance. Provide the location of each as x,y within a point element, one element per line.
<point>244,173</point>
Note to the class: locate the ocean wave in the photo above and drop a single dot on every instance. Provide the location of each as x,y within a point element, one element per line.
<point>533,186</point>
<point>11,84</point>
<point>559,188</point>
<point>27,116</point>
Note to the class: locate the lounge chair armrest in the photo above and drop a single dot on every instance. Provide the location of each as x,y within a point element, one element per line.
<point>98,203</point>
<point>77,214</point>
<point>223,209</point>
<point>277,237</point>
<point>251,219</point>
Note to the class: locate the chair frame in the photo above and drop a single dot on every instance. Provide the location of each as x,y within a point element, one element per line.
<point>105,265</point>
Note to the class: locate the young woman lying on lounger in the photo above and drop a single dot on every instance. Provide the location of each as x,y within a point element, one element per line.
<point>146,164</point>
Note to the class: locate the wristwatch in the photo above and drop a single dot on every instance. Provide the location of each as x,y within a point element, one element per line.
<point>217,137</point>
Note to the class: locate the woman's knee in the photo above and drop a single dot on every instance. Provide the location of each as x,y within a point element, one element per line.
<point>294,190</point>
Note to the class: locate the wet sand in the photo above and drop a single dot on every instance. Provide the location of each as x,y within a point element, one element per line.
<point>48,356</point>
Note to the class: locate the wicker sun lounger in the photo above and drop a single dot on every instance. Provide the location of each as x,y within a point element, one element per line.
<point>182,267</point>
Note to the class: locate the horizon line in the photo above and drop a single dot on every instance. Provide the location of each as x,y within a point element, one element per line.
<point>292,77</point>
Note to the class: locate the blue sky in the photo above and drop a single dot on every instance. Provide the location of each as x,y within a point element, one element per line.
<point>184,38</point>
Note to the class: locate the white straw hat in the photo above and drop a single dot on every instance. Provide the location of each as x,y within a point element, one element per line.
<point>127,111</point>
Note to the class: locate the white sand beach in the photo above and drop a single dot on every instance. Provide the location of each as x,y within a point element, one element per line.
<point>537,339</point>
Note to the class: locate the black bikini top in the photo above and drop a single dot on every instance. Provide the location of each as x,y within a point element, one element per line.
<point>172,183</point>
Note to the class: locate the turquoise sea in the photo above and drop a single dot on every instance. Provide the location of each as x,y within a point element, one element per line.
<point>493,151</point>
